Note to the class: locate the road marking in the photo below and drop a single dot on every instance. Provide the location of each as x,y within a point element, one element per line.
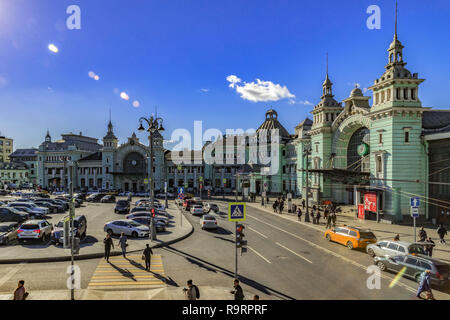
<point>298,255</point>
<point>257,232</point>
<point>11,273</point>
<point>260,255</point>
<point>122,283</point>
<point>333,253</point>
<point>121,277</point>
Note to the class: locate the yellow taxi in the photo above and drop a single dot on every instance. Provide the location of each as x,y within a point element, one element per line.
<point>353,238</point>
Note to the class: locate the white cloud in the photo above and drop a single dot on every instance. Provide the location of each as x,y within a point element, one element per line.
<point>304,102</point>
<point>204,90</point>
<point>259,91</point>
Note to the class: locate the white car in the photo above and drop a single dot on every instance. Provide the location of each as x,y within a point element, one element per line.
<point>147,214</point>
<point>208,221</point>
<point>34,210</point>
<point>35,229</point>
<point>128,227</point>
<point>197,209</point>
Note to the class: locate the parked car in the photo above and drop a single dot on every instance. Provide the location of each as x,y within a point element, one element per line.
<point>64,203</point>
<point>160,226</point>
<point>197,209</point>
<point>31,214</point>
<point>187,204</point>
<point>108,199</point>
<point>79,228</point>
<point>95,197</point>
<point>53,208</point>
<point>208,221</point>
<point>353,238</point>
<point>128,227</point>
<point>35,210</point>
<point>211,206</point>
<point>140,209</point>
<point>415,266</point>
<point>148,215</point>
<point>35,230</point>
<point>394,248</point>
<point>8,214</point>
<point>197,199</point>
<point>8,232</point>
<point>122,206</point>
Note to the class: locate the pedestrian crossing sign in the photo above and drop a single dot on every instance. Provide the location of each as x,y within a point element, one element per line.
<point>237,211</point>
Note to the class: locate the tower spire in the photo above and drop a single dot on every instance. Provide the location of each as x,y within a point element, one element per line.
<point>396,15</point>
<point>327,64</point>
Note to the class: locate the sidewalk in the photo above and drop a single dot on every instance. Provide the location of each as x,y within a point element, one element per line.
<point>33,254</point>
<point>381,230</point>
<point>171,293</point>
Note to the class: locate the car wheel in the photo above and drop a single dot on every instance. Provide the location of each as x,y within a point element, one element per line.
<point>134,234</point>
<point>328,237</point>
<point>6,241</point>
<point>371,253</point>
<point>381,265</point>
<point>350,245</point>
<point>110,232</point>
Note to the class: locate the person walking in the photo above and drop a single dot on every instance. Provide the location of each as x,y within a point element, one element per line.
<point>318,217</point>
<point>397,237</point>
<point>329,221</point>
<point>299,214</point>
<point>108,244</point>
<point>333,218</point>
<point>294,208</point>
<point>281,206</point>
<point>20,293</point>
<point>303,204</point>
<point>429,248</point>
<point>422,234</point>
<point>442,232</point>
<point>147,255</point>
<point>325,213</point>
<point>425,285</point>
<point>192,292</point>
<point>275,206</point>
<point>238,293</point>
<point>123,244</point>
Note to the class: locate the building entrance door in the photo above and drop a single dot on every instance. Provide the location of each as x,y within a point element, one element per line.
<point>127,187</point>
<point>135,189</point>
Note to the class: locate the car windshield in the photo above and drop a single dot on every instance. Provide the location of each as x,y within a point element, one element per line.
<point>209,218</point>
<point>29,227</point>
<point>135,224</point>
<point>417,249</point>
<point>122,203</point>
<point>366,235</point>
<point>60,224</point>
<point>4,228</point>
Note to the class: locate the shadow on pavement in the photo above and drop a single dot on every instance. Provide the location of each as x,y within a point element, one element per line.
<point>124,272</point>
<point>214,268</point>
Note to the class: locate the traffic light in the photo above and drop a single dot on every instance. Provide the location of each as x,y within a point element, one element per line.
<point>153,212</point>
<point>240,242</point>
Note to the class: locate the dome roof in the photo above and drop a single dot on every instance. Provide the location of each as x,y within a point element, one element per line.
<point>356,92</point>
<point>273,123</point>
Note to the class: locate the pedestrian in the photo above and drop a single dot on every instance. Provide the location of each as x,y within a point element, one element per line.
<point>429,248</point>
<point>267,199</point>
<point>294,208</point>
<point>255,297</point>
<point>238,293</point>
<point>123,244</point>
<point>303,204</point>
<point>20,293</point>
<point>325,213</point>
<point>422,234</point>
<point>281,206</point>
<point>442,233</point>
<point>192,292</point>
<point>333,218</point>
<point>425,285</point>
<point>318,217</point>
<point>108,244</point>
<point>275,206</point>
<point>397,237</point>
<point>147,256</point>
<point>299,214</point>
<point>329,221</point>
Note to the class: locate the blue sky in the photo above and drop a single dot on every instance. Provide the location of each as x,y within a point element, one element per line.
<point>164,52</point>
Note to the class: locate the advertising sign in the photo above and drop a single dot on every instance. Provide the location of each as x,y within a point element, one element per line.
<point>361,212</point>
<point>370,201</point>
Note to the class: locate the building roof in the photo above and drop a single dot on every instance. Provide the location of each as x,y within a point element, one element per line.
<point>24,153</point>
<point>436,121</point>
<point>272,122</point>
<point>97,156</point>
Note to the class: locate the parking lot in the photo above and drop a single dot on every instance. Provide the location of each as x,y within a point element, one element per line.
<point>97,214</point>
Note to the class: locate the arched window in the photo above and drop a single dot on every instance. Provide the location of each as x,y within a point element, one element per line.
<point>405,93</point>
<point>413,94</point>
<point>398,93</point>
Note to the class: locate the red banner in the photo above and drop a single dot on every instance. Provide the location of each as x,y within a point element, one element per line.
<point>361,212</point>
<point>370,201</point>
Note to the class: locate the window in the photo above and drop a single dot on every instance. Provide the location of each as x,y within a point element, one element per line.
<point>377,97</point>
<point>388,92</point>
<point>405,93</point>
<point>393,246</point>
<point>413,94</point>
<point>406,136</point>
<point>353,233</point>
<point>317,147</point>
<point>411,261</point>
<point>380,138</point>
<point>326,116</point>
<point>424,265</point>
<point>343,231</point>
<point>401,249</point>
<point>398,93</point>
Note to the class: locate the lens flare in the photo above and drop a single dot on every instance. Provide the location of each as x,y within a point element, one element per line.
<point>136,104</point>
<point>397,277</point>
<point>53,48</point>
<point>96,77</point>
<point>124,96</point>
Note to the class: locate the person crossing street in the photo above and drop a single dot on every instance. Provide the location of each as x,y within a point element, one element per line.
<point>123,244</point>
<point>108,244</point>
<point>238,292</point>
<point>442,232</point>
<point>147,255</point>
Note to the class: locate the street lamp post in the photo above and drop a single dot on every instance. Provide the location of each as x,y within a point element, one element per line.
<point>154,125</point>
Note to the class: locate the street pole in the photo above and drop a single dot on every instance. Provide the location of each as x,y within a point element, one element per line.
<point>415,238</point>
<point>152,207</point>
<point>165,192</point>
<point>72,240</point>
<point>236,256</point>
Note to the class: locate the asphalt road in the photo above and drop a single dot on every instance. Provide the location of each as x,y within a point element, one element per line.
<point>285,260</point>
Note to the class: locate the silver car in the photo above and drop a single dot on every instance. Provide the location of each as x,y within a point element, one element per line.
<point>128,227</point>
<point>393,248</point>
<point>197,209</point>
<point>35,210</point>
<point>208,221</point>
<point>35,229</point>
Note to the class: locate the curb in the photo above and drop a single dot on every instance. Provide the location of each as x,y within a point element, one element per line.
<point>95,255</point>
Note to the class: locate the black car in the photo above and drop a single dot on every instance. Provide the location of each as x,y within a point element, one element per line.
<point>160,226</point>
<point>414,266</point>
<point>8,214</point>
<point>95,197</point>
<point>108,199</point>
<point>122,206</point>
<point>51,207</point>
<point>138,209</point>
<point>79,227</point>
<point>8,232</point>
